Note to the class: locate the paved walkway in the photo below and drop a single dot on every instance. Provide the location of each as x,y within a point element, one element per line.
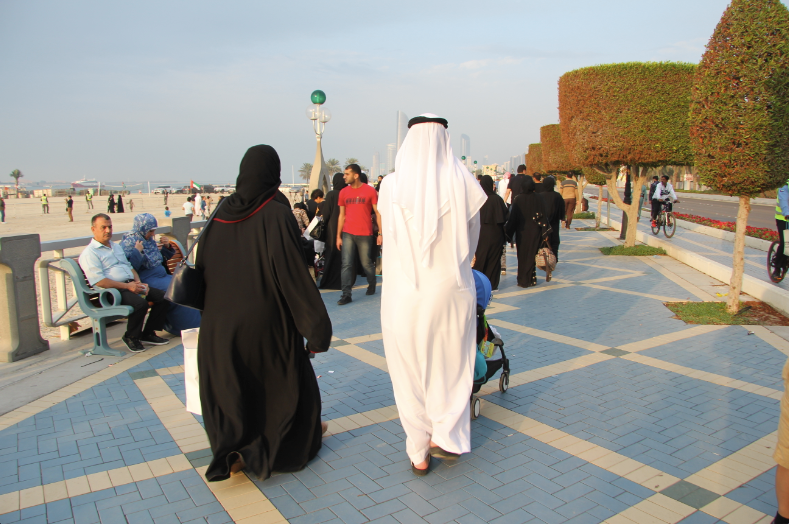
<point>616,413</point>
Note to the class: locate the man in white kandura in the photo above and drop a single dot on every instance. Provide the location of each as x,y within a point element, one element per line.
<point>430,217</point>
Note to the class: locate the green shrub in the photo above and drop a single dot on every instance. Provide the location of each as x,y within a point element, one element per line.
<point>555,159</point>
<point>585,215</point>
<point>635,251</point>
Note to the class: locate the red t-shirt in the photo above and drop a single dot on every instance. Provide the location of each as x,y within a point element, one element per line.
<point>358,205</point>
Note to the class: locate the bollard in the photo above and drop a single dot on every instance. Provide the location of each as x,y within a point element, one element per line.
<point>20,336</point>
<point>181,228</point>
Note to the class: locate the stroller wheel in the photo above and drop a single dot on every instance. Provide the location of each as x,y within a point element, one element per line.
<point>476,406</point>
<point>504,382</point>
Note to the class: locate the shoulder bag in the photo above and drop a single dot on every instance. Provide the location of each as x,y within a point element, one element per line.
<point>187,288</point>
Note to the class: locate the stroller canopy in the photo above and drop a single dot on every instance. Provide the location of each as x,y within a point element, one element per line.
<point>484,289</point>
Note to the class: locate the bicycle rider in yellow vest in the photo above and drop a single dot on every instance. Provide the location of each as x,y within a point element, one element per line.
<point>781,221</point>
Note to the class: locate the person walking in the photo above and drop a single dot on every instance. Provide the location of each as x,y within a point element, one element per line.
<point>198,203</point>
<point>189,208</point>
<point>203,206</point>
<point>44,204</point>
<point>2,210</point>
<point>357,202</point>
<point>70,208</point>
<point>493,215</point>
<point>332,256</point>
<point>89,200</point>
<point>131,205</point>
<point>316,197</point>
<point>554,212</point>
<point>538,187</point>
<point>166,194</point>
<point>120,208</point>
<point>259,394</point>
<point>570,196</point>
<point>515,186</point>
<point>111,204</point>
<point>430,208</point>
<point>528,225</point>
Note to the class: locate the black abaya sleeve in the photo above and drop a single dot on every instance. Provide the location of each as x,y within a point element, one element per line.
<point>297,287</point>
<point>513,224</point>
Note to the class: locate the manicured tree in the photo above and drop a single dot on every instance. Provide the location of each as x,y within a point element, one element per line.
<point>739,113</point>
<point>556,161</point>
<point>633,113</point>
<point>534,159</point>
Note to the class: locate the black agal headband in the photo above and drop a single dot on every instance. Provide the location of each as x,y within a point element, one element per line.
<point>427,119</point>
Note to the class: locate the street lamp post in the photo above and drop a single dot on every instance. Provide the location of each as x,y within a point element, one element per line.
<point>319,177</point>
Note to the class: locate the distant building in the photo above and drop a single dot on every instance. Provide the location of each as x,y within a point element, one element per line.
<point>490,170</point>
<point>375,169</point>
<point>402,130</point>
<point>391,153</point>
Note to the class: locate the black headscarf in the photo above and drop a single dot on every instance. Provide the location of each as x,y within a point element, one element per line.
<point>528,185</point>
<point>258,182</point>
<point>338,182</point>
<point>494,210</point>
<point>363,178</point>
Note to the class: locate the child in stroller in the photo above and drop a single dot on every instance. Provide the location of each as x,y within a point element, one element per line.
<point>488,341</point>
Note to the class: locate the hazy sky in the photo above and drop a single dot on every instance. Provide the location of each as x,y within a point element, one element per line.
<point>173,90</point>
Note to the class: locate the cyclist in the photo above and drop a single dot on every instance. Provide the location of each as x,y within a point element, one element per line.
<point>781,217</point>
<point>664,192</point>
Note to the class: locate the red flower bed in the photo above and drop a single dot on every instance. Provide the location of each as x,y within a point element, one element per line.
<point>756,232</point>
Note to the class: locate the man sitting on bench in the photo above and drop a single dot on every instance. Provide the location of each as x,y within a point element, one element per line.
<point>105,265</point>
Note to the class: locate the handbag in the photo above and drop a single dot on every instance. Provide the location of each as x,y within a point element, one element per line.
<point>318,230</point>
<point>545,258</point>
<point>187,288</point>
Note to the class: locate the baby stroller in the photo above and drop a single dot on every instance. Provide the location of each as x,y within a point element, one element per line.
<point>488,341</point>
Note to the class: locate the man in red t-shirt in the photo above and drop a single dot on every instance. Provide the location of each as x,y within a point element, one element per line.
<point>357,203</point>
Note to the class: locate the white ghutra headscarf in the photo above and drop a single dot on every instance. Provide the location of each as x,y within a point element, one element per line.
<point>430,183</point>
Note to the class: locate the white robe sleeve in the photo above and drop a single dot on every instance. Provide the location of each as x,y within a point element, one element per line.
<point>473,235</point>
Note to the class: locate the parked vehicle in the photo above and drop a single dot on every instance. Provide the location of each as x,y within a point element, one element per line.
<point>163,189</point>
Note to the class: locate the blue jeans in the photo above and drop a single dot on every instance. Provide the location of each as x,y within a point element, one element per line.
<point>350,245</point>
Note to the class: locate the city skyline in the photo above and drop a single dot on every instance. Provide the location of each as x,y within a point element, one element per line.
<point>149,90</point>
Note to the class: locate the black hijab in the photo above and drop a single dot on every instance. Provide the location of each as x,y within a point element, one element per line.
<point>258,182</point>
<point>494,210</point>
<point>528,185</point>
<point>338,182</point>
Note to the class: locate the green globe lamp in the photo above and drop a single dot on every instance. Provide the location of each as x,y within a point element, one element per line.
<point>319,115</point>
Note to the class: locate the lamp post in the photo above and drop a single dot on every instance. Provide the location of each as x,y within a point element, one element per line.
<point>319,177</point>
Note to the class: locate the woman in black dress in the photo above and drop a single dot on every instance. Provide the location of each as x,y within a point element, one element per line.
<point>554,212</point>
<point>528,226</point>
<point>111,204</point>
<point>332,257</point>
<point>493,216</point>
<point>120,204</point>
<point>260,398</point>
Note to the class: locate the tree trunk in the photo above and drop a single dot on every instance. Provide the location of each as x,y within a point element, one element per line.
<point>599,207</point>
<point>16,187</point>
<point>579,202</point>
<point>738,258</point>
<point>638,177</point>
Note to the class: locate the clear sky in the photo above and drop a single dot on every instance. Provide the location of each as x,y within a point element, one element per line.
<point>177,90</point>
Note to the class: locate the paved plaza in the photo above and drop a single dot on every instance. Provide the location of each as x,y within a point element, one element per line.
<point>616,412</point>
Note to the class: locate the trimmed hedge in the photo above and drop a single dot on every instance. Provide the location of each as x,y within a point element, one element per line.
<point>593,177</point>
<point>740,103</point>
<point>555,159</point>
<point>633,113</point>
<point>534,159</point>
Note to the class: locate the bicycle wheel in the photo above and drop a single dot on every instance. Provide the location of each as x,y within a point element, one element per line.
<point>670,225</point>
<point>656,227</point>
<point>775,271</point>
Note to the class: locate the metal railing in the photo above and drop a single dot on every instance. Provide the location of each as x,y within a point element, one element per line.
<point>64,305</point>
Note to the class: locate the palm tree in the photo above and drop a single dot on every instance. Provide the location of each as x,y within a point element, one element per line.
<point>16,175</point>
<point>305,171</point>
<point>353,160</point>
<point>333,165</point>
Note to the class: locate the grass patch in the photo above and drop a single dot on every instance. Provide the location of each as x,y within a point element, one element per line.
<point>586,215</point>
<point>594,229</point>
<point>751,314</point>
<point>635,251</point>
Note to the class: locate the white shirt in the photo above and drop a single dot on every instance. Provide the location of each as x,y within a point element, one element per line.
<point>503,185</point>
<point>663,192</point>
<point>189,209</point>
<point>99,262</point>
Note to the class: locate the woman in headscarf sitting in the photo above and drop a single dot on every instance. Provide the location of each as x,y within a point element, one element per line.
<point>149,261</point>
<point>493,216</point>
<point>554,212</point>
<point>330,211</point>
<point>260,398</point>
<point>528,226</point>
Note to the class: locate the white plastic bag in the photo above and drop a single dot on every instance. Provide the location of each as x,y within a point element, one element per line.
<point>191,375</point>
<point>310,227</point>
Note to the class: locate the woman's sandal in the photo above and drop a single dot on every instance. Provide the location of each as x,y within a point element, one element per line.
<point>324,427</point>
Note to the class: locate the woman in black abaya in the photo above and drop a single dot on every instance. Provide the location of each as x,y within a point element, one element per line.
<point>120,204</point>
<point>332,257</point>
<point>528,225</point>
<point>111,204</point>
<point>493,216</point>
<point>554,212</point>
<point>260,398</point>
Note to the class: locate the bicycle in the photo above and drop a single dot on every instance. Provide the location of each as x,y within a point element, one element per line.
<point>666,220</point>
<point>776,269</point>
